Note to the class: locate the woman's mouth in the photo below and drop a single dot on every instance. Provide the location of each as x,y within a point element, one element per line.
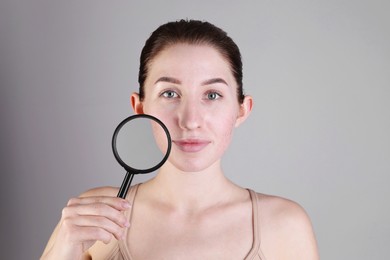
<point>191,145</point>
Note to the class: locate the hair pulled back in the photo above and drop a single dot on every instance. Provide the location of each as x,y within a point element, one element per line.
<point>191,32</point>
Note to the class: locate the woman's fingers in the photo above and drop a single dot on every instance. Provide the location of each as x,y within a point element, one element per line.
<point>94,218</point>
<point>117,203</point>
<point>84,221</point>
<point>96,209</point>
<point>86,228</point>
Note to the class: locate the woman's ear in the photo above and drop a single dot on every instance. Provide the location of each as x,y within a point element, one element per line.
<point>245,110</point>
<point>136,103</point>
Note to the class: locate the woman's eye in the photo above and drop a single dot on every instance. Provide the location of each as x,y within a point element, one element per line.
<point>169,94</point>
<point>213,95</point>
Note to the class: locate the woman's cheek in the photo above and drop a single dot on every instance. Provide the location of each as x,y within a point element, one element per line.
<point>225,131</point>
<point>160,137</point>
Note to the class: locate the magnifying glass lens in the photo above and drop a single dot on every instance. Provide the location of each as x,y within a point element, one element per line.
<point>136,144</point>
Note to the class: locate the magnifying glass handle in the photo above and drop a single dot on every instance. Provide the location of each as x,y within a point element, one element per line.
<point>125,185</point>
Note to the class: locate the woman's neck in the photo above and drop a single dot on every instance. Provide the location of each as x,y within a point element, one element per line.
<point>192,191</point>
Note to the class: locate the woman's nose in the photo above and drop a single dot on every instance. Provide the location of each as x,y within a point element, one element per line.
<point>190,116</point>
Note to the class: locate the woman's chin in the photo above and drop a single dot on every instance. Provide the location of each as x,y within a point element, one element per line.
<point>190,165</point>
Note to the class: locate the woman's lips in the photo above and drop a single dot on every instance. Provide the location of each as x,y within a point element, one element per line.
<point>191,145</point>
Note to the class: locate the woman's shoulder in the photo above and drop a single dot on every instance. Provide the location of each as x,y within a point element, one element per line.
<point>279,207</point>
<point>285,224</point>
<point>282,214</point>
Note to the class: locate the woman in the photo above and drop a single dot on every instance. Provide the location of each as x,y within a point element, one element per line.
<point>190,78</point>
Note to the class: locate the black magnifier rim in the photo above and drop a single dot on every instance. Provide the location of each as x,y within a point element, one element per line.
<point>126,166</point>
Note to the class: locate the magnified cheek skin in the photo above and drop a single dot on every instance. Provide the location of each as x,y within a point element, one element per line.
<point>160,137</point>
<point>165,117</point>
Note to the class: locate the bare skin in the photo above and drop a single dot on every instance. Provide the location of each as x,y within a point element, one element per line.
<point>220,231</point>
<point>190,210</point>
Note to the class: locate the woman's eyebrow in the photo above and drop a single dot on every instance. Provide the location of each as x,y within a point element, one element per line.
<point>168,80</point>
<point>206,82</point>
<point>213,81</point>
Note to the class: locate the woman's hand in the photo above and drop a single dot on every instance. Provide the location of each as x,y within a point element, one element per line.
<point>84,221</point>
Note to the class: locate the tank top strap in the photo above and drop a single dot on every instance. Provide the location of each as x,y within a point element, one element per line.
<point>124,250</point>
<point>130,197</point>
<point>131,194</point>
<point>255,252</point>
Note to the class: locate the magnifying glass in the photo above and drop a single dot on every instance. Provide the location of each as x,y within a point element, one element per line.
<point>141,144</point>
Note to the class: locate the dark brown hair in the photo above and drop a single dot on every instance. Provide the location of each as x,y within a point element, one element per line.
<point>191,32</point>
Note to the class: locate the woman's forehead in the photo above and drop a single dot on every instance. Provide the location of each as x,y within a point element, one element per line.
<point>189,57</point>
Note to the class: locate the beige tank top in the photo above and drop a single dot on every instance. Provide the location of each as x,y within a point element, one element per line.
<point>122,252</point>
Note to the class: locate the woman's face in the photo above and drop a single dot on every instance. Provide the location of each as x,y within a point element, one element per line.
<point>191,89</point>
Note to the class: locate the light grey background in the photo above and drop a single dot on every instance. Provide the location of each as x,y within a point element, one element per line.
<point>319,72</point>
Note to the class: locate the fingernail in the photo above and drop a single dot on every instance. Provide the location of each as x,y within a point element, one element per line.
<point>127,224</point>
<point>126,204</point>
